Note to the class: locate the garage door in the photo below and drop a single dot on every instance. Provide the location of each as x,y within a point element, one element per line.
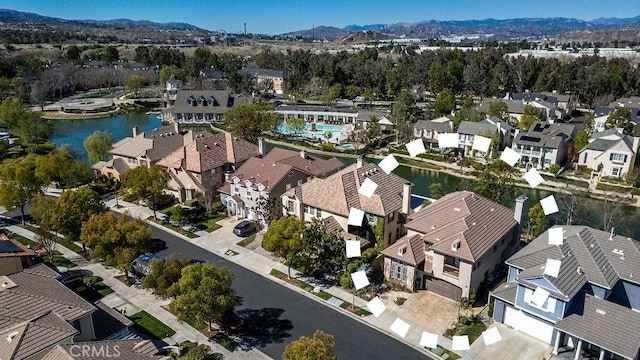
<point>443,288</point>
<point>528,325</point>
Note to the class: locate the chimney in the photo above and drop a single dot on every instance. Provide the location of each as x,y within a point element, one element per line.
<point>359,161</point>
<point>176,127</point>
<point>136,131</point>
<point>636,143</point>
<point>519,211</point>
<point>261,146</point>
<point>303,154</point>
<point>406,197</point>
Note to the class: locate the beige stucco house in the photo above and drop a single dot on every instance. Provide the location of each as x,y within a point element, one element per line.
<point>271,80</point>
<point>454,244</point>
<point>199,166</point>
<point>144,149</point>
<point>269,177</point>
<point>332,199</point>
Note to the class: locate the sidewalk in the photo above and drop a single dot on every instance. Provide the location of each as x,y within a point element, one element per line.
<point>133,297</point>
<point>221,240</point>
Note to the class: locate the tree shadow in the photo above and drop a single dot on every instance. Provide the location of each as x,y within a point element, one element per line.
<point>158,245</point>
<point>262,327</point>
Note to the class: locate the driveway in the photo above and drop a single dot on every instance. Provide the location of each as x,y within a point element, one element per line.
<point>432,311</point>
<point>514,345</point>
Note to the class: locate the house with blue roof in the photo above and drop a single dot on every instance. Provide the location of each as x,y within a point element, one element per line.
<point>578,289</point>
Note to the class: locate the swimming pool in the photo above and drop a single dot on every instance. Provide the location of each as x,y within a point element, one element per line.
<point>348,146</point>
<point>283,129</point>
<point>323,132</point>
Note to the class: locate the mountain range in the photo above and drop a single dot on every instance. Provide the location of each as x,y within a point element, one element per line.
<point>498,29</point>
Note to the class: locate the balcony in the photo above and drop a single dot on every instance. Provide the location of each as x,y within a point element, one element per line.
<point>451,270</point>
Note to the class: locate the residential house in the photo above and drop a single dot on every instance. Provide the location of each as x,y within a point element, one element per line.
<point>546,104</point>
<point>37,312</point>
<point>454,244</point>
<point>213,78</point>
<point>271,80</point>
<point>202,106</point>
<point>333,198</point>
<point>173,87</point>
<point>489,128</point>
<point>601,114</point>
<point>515,109</point>
<point>319,114</point>
<point>14,256</point>
<point>137,349</point>
<point>144,149</point>
<point>544,144</point>
<point>269,177</point>
<point>428,130</point>
<point>565,103</point>
<point>610,152</point>
<point>578,291</point>
<point>386,124</point>
<point>198,167</point>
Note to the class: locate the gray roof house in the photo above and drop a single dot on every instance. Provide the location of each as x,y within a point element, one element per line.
<point>202,106</point>
<point>610,152</point>
<point>601,114</point>
<point>573,286</point>
<point>489,127</point>
<point>428,130</point>
<point>544,144</point>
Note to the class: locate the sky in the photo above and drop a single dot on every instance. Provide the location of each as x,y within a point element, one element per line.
<point>281,16</point>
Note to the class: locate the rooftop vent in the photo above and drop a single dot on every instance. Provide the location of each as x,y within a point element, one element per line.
<point>456,209</point>
<point>601,312</point>
<point>402,250</point>
<point>455,245</point>
<point>611,234</point>
<point>618,252</point>
<point>579,270</point>
<point>12,336</point>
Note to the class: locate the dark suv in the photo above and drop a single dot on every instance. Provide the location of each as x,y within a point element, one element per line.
<point>245,228</point>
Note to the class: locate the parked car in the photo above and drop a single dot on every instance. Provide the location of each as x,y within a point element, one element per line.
<point>245,228</point>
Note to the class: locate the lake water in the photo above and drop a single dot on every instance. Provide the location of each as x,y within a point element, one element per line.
<point>74,132</point>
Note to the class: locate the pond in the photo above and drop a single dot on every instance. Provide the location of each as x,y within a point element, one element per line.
<point>73,132</point>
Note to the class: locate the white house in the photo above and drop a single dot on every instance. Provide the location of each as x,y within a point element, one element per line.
<point>610,152</point>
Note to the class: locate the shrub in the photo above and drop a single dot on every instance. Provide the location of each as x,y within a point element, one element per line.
<point>554,168</point>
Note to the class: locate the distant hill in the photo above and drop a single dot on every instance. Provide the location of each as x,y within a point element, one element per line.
<point>327,32</point>
<point>14,16</point>
<point>496,29</point>
<point>360,37</point>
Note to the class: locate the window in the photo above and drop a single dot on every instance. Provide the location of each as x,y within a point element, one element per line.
<point>547,161</point>
<point>548,306</point>
<point>249,194</point>
<point>300,182</point>
<point>371,219</point>
<point>306,209</point>
<point>318,213</point>
<point>398,270</point>
<point>584,161</point>
<point>618,157</point>
<point>288,186</point>
<point>312,211</point>
<point>615,171</point>
<point>548,150</point>
<point>390,217</point>
<point>290,206</point>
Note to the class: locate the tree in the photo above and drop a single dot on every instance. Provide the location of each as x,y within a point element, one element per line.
<point>323,251</point>
<point>296,125</point>
<point>198,352</point>
<point>44,211</point>
<point>497,182</point>
<point>116,240</point>
<point>249,121</point>
<point>437,190</point>
<point>203,293</point>
<point>284,238</point>
<point>530,116</point>
<point>580,141</point>
<point>164,273</point>
<point>319,347</point>
<point>403,111</point>
<point>60,167</point>
<point>147,184</point>
<point>620,118</point>
<point>167,71</point>
<point>445,103</point>
<point>40,93</point>
<point>498,109</point>
<point>330,95</point>
<point>48,241</point>
<point>268,209</point>
<point>12,111</point>
<point>98,145</point>
<point>74,208</point>
<point>134,83</point>
<point>73,53</point>
<point>110,54</point>
<point>18,185</point>
<point>538,222</point>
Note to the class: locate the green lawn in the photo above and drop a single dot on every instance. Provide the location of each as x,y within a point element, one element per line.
<point>59,260</point>
<point>102,288</point>
<point>226,342</point>
<point>248,240</point>
<point>451,354</point>
<point>24,241</point>
<point>323,295</point>
<point>210,225</point>
<point>151,325</point>
<point>62,241</point>
<point>299,283</point>
<point>474,331</point>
